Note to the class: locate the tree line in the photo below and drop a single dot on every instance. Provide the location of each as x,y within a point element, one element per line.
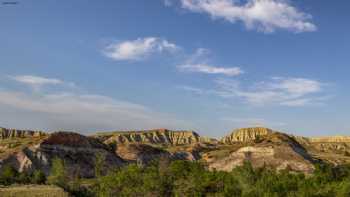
<point>164,177</point>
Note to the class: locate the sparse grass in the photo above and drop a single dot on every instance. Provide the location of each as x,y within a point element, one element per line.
<point>32,191</point>
<point>11,145</point>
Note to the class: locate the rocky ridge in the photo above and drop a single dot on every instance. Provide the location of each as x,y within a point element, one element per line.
<point>330,139</point>
<point>15,133</point>
<point>264,147</point>
<point>155,136</point>
<point>260,146</point>
<point>77,151</point>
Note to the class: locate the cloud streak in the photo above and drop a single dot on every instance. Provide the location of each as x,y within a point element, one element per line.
<point>138,49</point>
<point>36,80</point>
<point>262,15</point>
<point>69,110</point>
<point>196,63</point>
<point>291,92</point>
<point>281,91</point>
<point>208,69</point>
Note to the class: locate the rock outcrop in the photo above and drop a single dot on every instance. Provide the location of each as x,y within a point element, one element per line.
<point>273,149</point>
<point>156,136</point>
<point>140,153</point>
<point>246,135</point>
<point>15,133</point>
<point>326,144</point>
<point>30,150</point>
<point>330,139</point>
<point>77,151</point>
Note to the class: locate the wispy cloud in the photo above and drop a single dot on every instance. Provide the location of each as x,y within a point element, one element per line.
<point>208,69</point>
<point>138,49</point>
<point>38,82</point>
<point>292,92</point>
<point>71,110</point>
<point>281,91</point>
<point>263,15</point>
<point>197,63</point>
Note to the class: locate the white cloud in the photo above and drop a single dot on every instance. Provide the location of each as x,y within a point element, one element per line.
<point>197,63</point>
<point>204,68</point>
<point>297,86</point>
<point>282,91</point>
<point>263,15</point>
<point>77,111</point>
<point>292,92</point>
<point>35,80</point>
<point>138,49</point>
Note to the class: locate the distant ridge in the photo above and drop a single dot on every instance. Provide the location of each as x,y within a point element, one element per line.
<point>17,133</point>
<point>30,150</point>
<point>330,139</point>
<point>153,136</point>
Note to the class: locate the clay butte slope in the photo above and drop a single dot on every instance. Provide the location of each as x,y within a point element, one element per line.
<point>264,147</point>
<point>146,145</point>
<point>36,152</point>
<point>29,150</point>
<point>332,149</point>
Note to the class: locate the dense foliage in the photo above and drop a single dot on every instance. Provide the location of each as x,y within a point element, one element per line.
<point>9,175</point>
<point>184,178</point>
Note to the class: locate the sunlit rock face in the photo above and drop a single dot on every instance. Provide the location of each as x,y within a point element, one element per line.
<point>31,150</point>
<point>77,151</point>
<point>156,136</point>
<point>271,149</point>
<point>246,135</point>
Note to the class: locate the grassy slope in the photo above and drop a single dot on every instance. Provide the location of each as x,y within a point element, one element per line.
<point>32,190</point>
<point>8,146</point>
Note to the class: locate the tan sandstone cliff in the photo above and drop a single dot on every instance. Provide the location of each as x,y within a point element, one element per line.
<point>246,135</point>
<point>156,136</point>
<point>264,147</point>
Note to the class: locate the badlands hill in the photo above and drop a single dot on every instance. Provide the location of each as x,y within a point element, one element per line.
<point>155,136</point>
<point>264,147</point>
<point>31,150</point>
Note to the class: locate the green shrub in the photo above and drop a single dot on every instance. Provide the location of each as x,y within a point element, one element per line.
<point>58,174</point>
<point>38,177</point>
<point>8,175</point>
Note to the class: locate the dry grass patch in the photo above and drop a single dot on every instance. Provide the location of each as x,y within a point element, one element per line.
<point>32,191</point>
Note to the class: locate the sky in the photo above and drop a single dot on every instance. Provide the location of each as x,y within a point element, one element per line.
<point>204,65</point>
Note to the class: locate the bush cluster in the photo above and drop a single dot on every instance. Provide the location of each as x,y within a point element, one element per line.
<point>9,175</point>
<point>184,178</point>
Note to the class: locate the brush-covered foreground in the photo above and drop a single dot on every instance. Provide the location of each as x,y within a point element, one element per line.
<point>182,178</point>
<point>247,162</point>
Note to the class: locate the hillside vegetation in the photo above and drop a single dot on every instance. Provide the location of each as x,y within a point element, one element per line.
<point>248,162</point>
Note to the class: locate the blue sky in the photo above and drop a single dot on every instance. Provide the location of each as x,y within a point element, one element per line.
<point>206,65</point>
